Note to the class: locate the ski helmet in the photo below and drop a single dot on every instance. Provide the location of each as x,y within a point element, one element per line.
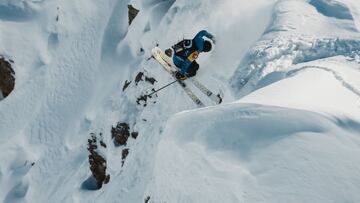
<point>207,46</point>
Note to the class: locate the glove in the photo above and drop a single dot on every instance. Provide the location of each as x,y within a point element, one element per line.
<point>179,76</point>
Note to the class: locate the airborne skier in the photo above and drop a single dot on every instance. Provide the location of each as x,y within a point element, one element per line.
<point>183,56</point>
<point>187,51</point>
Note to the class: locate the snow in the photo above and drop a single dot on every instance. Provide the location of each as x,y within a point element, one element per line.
<point>256,153</point>
<point>326,78</point>
<point>287,131</point>
<point>332,9</point>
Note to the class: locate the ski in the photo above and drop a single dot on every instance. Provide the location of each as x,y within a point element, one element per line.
<point>157,55</point>
<point>216,98</point>
<point>191,94</point>
<point>167,62</point>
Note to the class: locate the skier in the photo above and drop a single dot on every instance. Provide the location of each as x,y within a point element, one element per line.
<point>187,51</point>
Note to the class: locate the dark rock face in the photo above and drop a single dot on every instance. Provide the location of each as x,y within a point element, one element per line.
<point>142,100</point>
<point>102,144</point>
<point>124,154</point>
<point>138,77</point>
<point>97,162</point>
<point>132,13</point>
<point>134,134</point>
<point>7,79</point>
<point>120,133</point>
<point>151,80</point>
<point>126,85</point>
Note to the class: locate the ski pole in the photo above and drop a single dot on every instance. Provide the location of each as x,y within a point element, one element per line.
<point>162,88</point>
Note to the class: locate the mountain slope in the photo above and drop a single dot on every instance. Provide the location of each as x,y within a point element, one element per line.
<point>295,140</point>
<point>287,130</point>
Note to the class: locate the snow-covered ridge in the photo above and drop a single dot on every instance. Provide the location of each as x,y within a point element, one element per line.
<point>296,80</point>
<point>332,8</point>
<point>19,10</point>
<point>298,33</point>
<point>283,52</point>
<point>252,162</point>
<point>347,85</point>
<point>292,137</point>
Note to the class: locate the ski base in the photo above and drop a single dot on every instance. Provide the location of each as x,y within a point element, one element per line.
<point>216,98</point>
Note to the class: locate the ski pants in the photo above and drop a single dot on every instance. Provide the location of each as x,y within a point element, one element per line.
<point>192,69</point>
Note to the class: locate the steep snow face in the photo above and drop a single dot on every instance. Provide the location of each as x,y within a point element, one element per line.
<point>279,143</point>
<point>332,9</point>
<point>56,54</point>
<point>325,93</point>
<point>71,60</point>
<point>299,32</point>
<point>294,134</point>
<point>135,178</point>
<point>298,143</point>
<point>184,19</point>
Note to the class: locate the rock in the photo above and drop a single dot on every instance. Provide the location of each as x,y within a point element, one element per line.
<point>102,144</point>
<point>150,80</point>
<point>124,154</point>
<point>107,179</point>
<point>132,13</point>
<point>7,79</point>
<point>142,98</point>
<point>134,135</point>
<point>138,77</point>
<point>127,83</point>
<point>97,162</point>
<point>120,133</point>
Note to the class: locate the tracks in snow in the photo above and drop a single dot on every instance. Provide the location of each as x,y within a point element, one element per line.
<point>281,53</point>
<point>334,73</point>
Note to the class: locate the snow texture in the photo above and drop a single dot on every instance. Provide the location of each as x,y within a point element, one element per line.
<point>287,130</point>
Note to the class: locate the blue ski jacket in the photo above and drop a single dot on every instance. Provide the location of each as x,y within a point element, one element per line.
<point>183,62</point>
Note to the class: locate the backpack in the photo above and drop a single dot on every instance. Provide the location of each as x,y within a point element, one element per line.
<point>181,47</point>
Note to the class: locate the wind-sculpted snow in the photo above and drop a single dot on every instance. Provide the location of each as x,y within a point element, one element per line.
<point>281,53</point>
<point>298,72</point>
<point>346,84</point>
<point>293,37</point>
<point>316,17</point>
<point>266,152</point>
<point>115,31</point>
<point>18,10</point>
<point>332,8</point>
<point>322,81</point>
<point>254,153</point>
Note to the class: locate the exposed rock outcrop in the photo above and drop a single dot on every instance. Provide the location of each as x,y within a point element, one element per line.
<point>120,133</point>
<point>132,13</point>
<point>126,85</point>
<point>97,162</point>
<point>7,78</point>
<point>124,154</point>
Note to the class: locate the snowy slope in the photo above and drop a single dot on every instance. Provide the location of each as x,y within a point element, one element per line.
<point>287,131</point>
<point>298,33</point>
<point>296,140</point>
<point>55,64</point>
